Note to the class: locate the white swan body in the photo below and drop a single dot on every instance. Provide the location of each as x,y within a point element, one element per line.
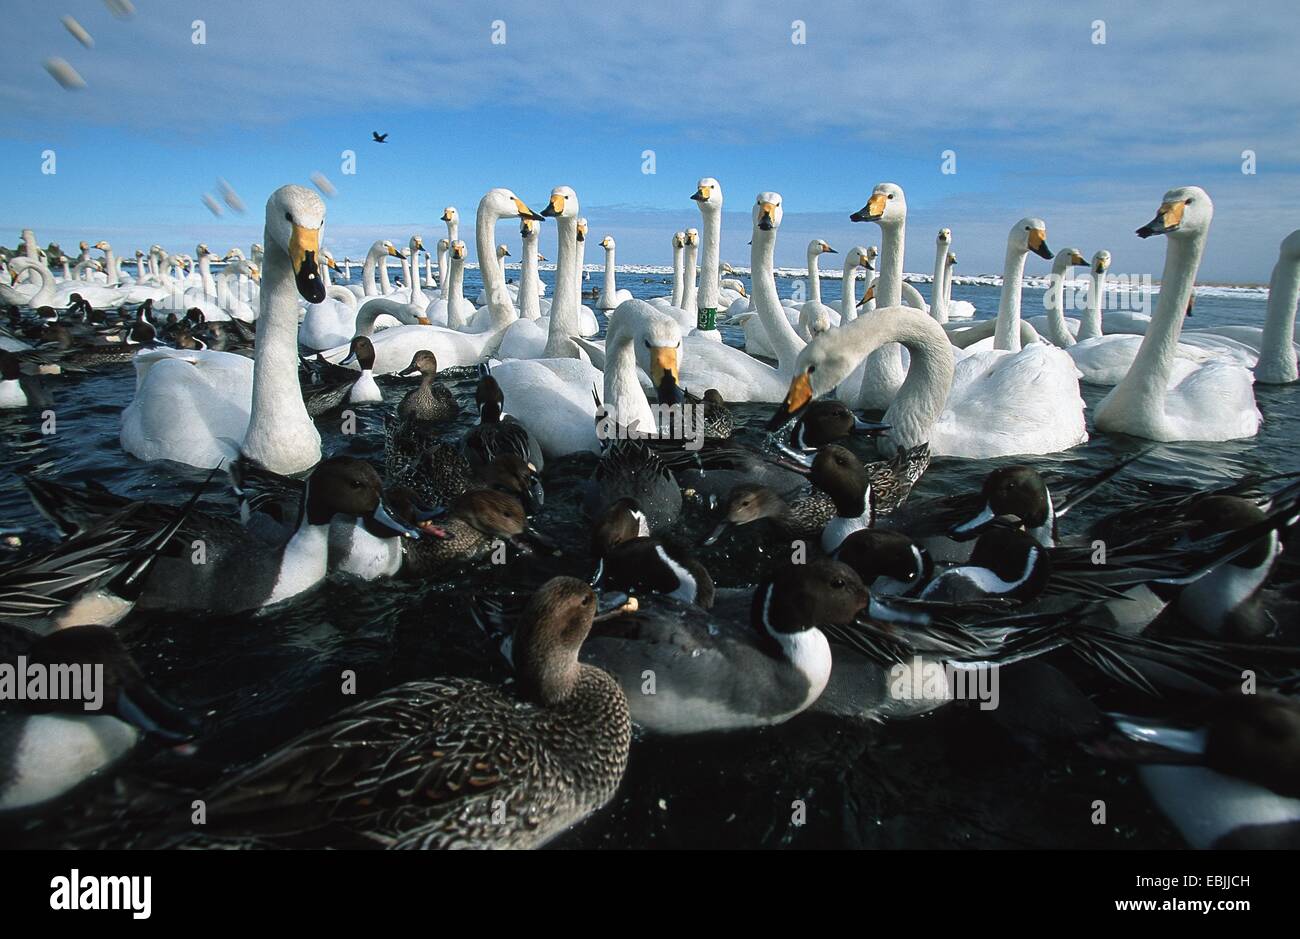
<point>1213,402</point>
<point>193,406</point>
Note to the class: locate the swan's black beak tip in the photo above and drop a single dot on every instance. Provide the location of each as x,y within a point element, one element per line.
<point>310,286</point>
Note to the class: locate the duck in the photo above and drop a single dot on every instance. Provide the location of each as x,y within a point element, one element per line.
<point>431,401</point>
<point>246,569</point>
<point>889,563</point>
<point>1227,777</point>
<point>196,407</point>
<point>18,389</point>
<point>1154,400</point>
<point>631,561</point>
<point>498,768</point>
<point>498,432</point>
<point>347,387</point>
<point>747,662</point>
<point>49,748</point>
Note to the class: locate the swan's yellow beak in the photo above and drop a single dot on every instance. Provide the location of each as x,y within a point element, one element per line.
<point>1168,217</point>
<point>869,295</point>
<point>664,373</point>
<point>1038,243</point>
<point>423,321</point>
<point>766,216</point>
<point>702,193</point>
<point>393,252</point>
<point>524,211</point>
<point>873,210</point>
<point>304,245</point>
<point>555,206</point>
<point>796,399</point>
<point>446,215</point>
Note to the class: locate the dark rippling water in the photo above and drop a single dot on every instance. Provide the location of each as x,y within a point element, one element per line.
<point>949,779</point>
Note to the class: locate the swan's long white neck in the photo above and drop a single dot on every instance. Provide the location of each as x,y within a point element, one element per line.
<point>938,302</point>
<point>782,338</point>
<point>689,284</point>
<point>568,290</point>
<point>947,285</point>
<point>1007,333</point>
<point>1141,392</point>
<point>280,435</point>
<point>677,274</point>
<point>385,287</point>
<point>29,245</point>
<point>921,397</point>
<point>1090,322</point>
<point>368,272</point>
<point>530,306</point>
<point>443,254</point>
<point>501,307</point>
<point>611,289</point>
<point>848,291</point>
<point>205,276</point>
<point>110,263</point>
<point>814,276</point>
<point>415,275</point>
<point>1277,360</point>
<point>455,294</point>
<point>1057,332</point>
<point>710,276</point>
<point>44,295</point>
<point>889,288</point>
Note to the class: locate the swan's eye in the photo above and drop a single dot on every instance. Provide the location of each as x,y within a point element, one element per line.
<point>1187,202</point>
<point>647,343</point>
<point>811,369</point>
<point>288,217</point>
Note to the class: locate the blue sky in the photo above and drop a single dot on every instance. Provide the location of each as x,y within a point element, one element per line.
<point>1042,120</point>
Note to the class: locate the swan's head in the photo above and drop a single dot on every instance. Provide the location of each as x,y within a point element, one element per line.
<point>386,248</point>
<point>1030,234</point>
<point>328,257</point>
<point>234,254</point>
<point>85,246</point>
<point>821,365</point>
<point>528,229</point>
<point>952,257</point>
<point>444,244</point>
<point>886,204</point>
<point>202,250</point>
<point>449,214</point>
<point>102,246</point>
<point>767,212</point>
<point>1184,213</point>
<point>1290,249</point>
<point>505,204</point>
<point>1101,262</point>
<point>139,253</point>
<point>458,250</point>
<point>295,218</point>
<point>503,252</point>
<point>251,270</point>
<point>813,321</point>
<point>679,239</point>
<point>608,243</point>
<point>859,256</point>
<point>416,243</point>
<point>692,237</point>
<point>582,229</point>
<point>563,203</point>
<point>1068,257</point>
<point>817,246</point>
<point>659,345</point>
<point>708,192</point>
<point>944,237</point>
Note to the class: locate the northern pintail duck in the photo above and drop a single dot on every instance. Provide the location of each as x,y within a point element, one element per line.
<point>431,401</point>
<point>18,389</point>
<point>466,531</point>
<point>496,431</point>
<point>50,747</point>
<point>338,385</point>
<point>1230,779</point>
<point>631,469</point>
<point>240,570</point>
<point>748,662</point>
<point>631,561</point>
<point>454,762</point>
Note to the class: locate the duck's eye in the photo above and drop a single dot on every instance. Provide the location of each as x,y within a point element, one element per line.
<point>837,584</point>
<point>586,601</point>
<point>355,483</point>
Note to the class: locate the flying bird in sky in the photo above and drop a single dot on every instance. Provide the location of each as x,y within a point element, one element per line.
<point>379,138</point>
